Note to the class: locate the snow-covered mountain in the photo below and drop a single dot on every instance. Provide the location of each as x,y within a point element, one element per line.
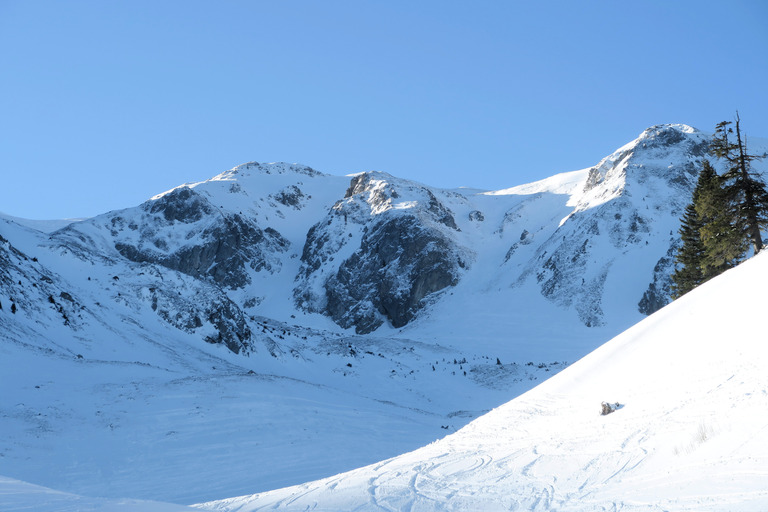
<point>275,325</point>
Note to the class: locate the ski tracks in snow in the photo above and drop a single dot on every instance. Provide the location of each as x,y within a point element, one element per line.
<point>425,485</point>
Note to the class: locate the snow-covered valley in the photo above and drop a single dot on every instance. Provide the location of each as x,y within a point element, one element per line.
<point>275,325</point>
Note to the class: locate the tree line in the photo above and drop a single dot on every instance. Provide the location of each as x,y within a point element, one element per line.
<point>727,213</point>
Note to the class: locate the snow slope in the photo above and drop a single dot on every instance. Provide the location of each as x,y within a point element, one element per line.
<point>18,496</point>
<point>691,432</point>
<point>45,226</point>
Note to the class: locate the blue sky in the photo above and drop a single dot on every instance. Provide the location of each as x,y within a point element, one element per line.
<point>106,103</point>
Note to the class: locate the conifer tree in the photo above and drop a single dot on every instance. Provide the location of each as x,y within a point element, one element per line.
<point>688,274</point>
<point>745,191</point>
<point>723,244</point>
<point>702,219</point>
<point>726,215</point>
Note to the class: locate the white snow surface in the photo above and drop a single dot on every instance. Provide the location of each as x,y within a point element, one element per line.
<point>103,397</point>
<point>44,226</point>
<point>18,496</point>
<point>691,431</point>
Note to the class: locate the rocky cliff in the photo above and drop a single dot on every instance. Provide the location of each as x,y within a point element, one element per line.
<point>381,254</point>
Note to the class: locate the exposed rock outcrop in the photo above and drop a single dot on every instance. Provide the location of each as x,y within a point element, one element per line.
<point>399,263</point>
<point>395,238</point>
<point>219,246</point>
<point>659,290</point>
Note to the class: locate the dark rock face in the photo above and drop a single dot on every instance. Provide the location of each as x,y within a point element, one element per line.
<point>476,216</point>
<point>664,135</point>
<point>357,185</point>
<point>181,205</point>
<point>405,254</point>
<point>290,196</point>
<point>442,214</point>
<point>212,307</point>
<point>398,265</point>
<point>228,244</point>
<point>660,289</point>
<point>233,331</point>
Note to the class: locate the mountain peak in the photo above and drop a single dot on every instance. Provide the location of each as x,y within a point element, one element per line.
<point>667,151</point>
<point>668,128</point>
<point>671,136</point>
<point>254,168</point>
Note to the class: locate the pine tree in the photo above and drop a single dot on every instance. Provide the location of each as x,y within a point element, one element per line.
<point>723,244</point>
<point>702,219</point>
<point>726,215</point>
<point>688,274</point>
<point>745,191</point>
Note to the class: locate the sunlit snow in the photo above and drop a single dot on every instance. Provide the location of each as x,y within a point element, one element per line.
<point>105,397</point>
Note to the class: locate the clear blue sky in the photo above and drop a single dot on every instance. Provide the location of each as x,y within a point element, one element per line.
<point>106,103</point>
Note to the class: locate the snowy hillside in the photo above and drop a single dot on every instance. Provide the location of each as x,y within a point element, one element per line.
<point>689,434</point>
<point>275,325</point>
<point>17,496</point>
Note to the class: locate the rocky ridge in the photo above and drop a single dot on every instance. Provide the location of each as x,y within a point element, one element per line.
<point>371,250</point>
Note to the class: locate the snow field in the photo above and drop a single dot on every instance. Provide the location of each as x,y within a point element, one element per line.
<point>18,496</point>
<point>690,433</point>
